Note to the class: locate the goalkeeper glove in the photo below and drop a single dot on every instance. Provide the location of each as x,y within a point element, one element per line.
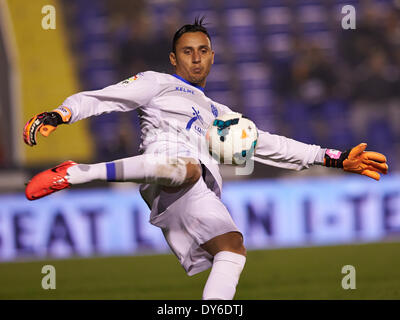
<point>357,160</point>
<point>45,123</point>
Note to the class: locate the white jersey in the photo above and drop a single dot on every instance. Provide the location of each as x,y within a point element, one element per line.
<point>174,116</point>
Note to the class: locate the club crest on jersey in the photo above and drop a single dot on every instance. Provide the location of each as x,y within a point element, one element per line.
<point>214,110</point>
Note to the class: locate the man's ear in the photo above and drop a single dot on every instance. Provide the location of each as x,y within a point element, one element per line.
<point>172,58</point>
<point>213,55</point>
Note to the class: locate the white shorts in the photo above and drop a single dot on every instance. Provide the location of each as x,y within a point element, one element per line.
<point>188,219</point>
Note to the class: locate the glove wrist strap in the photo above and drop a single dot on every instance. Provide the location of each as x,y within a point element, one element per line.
<point>334,158</point>
<point>64,114</point>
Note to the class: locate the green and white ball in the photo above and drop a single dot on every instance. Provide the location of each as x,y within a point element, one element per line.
<point>232,138</point>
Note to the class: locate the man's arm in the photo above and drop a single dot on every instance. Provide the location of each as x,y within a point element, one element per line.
<point>279,151</point>
<point>287,153</point>
<point>124,96</point>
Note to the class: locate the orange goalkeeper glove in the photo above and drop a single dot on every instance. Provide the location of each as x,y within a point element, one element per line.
<point>357,160</point>
<point>45,123</point>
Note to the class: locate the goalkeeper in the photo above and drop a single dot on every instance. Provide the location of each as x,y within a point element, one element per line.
<point>179,180</point>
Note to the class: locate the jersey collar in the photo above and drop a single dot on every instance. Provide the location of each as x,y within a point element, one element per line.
<point>192,84</point>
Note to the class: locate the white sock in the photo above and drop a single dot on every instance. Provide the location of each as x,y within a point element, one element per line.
<point>224,276</point>
<point>145,168</point>
<point>83,173</point>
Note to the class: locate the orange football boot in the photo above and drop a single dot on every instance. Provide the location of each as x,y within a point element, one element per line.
<point>49,181</point>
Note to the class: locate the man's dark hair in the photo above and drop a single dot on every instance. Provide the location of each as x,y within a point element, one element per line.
<point>198,25</point>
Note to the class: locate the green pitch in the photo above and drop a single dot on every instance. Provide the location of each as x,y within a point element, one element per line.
<point>301,273</point>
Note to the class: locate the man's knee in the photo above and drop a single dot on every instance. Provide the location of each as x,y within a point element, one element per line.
<point>193,173</point>
<point>231,241</point>
<point>236,244</point>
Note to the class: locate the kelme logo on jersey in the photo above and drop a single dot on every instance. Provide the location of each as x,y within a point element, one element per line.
<point>183,89</point>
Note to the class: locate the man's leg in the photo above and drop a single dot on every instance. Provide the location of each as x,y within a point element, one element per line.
<point>146,168</point>
<point>229,259</point>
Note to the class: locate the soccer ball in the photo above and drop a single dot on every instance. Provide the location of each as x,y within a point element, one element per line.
<point>232,138</point>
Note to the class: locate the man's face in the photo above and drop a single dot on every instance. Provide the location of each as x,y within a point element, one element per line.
<point>193,57</point>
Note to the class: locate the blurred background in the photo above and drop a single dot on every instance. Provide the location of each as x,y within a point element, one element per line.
<point>287,64</point>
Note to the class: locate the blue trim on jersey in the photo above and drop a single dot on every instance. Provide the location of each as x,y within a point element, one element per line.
<point>192,84</point>
<point>111,172</point>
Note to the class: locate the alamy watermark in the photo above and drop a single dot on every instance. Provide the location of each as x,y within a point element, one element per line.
<point>349,20</point>
<point>49,280</point>
<point>349,280</point>
<point>49,20</point>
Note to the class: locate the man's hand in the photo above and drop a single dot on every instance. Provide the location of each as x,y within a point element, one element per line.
<point>367,163</point>
<point>45,123</point>
<point>357,160</point>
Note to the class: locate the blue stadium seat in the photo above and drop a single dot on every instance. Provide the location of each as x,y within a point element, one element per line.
<point>276,19</point>
<point>235,4</point>
<point>219,78</point>
<point>380,133</point>
<point>381,138</point>
<point>278,45</point>
<point>312,17</point>
<point>297,117</point>
<point>335,115</point>
<point>274,3</point>
<point>254,75</point>
<point>245,48</point>
<point>258,106</point>
<point>243,35</point>
<point>241,17</point>
<point>199,5</point>
<point>309,2</point>
<point>263,117</point>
